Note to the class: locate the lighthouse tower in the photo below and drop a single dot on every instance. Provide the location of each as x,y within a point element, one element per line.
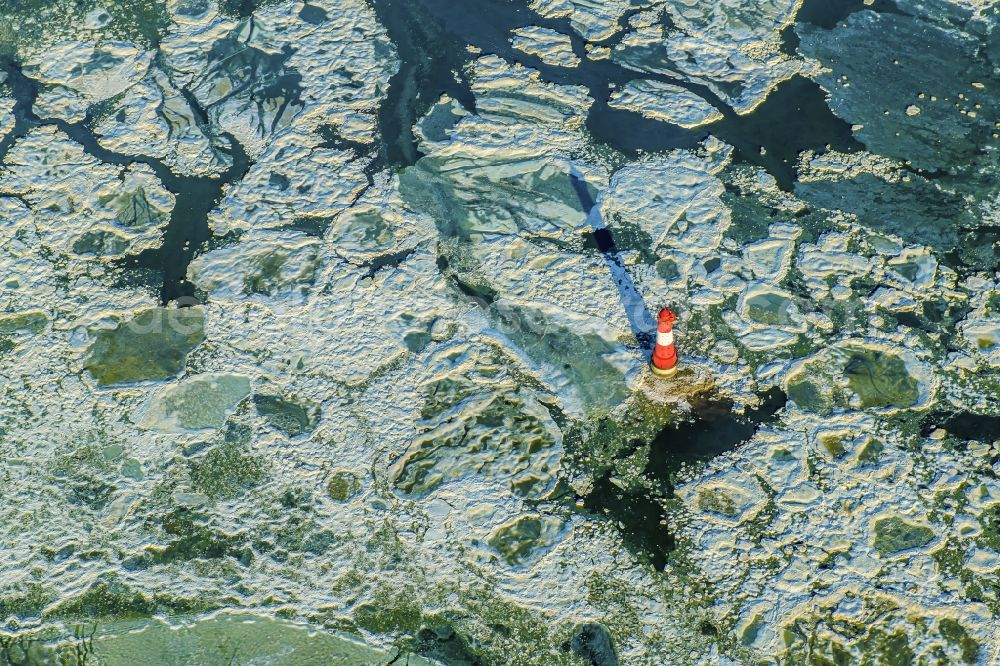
<point>664,361</point>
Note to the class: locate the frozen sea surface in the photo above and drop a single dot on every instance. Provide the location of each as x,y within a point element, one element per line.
<point>325,328</point>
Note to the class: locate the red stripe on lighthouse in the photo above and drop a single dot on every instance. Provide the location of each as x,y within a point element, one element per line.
<point>664,361</point>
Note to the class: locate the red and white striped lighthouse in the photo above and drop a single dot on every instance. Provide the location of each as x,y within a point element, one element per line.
<point>664,361</point>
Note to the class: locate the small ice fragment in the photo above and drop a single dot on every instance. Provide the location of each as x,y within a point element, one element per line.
<point>553,48</point>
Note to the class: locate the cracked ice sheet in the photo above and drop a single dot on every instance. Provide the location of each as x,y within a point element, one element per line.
<point>293,179</point>
<point>832,515</point>
<point>97,72</point>
<point>799,496</point>
<point>281,267</point>
<point>72,76</point>
<point>675,198</point>
<point>350,331</point>
<point>595,20</point>
<point>58,409</point>
<point>497,184</point>
<point>520,140</point>
<point>296,90</point>
<point>154,119</point>
<point>545,121</point>
<point>838,479</point>
<point>732,47</point>
<point>341,96</point>
<point>464,513</point>
<point>357,445</point>
<point>348,324</point>
<point>370,312</point>
<point>709,268</point>
<point>83,208</point>
<point>294,176</point>
<point>378,303</point>
<point>370,411</point>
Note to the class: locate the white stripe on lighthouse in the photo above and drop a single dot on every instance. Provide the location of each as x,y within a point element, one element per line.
<point>664,339</point>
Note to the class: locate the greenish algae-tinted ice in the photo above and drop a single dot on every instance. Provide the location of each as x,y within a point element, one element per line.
<point>151,345</point>
<point>225,638</point>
